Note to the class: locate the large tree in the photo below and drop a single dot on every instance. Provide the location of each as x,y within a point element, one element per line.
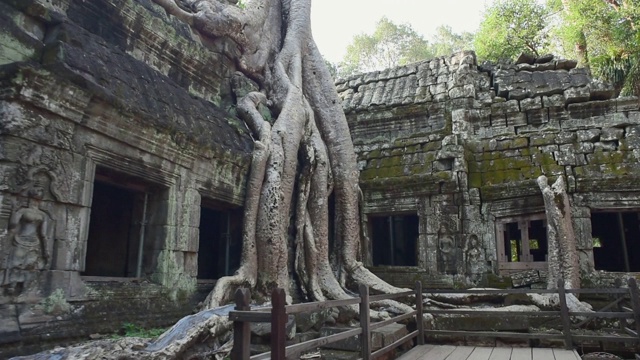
<point>604,35</point>
<point>303,154</point>
<point>390,45</point>
<point>299,160</point>
<point>511,27</point>
<point>446,41</point>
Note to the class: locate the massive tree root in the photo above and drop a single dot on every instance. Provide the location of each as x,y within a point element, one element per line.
<point>298,161</point>
<point>563,253</point>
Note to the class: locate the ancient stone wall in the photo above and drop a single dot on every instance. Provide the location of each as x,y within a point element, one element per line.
<point>112,92</point>
<point>116,95</point>
<point>461,145</point>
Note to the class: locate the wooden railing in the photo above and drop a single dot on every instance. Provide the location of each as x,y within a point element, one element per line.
<point>615,310</point>
<point>277,315</point>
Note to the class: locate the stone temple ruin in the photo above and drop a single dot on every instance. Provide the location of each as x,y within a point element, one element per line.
<point>123,169</point>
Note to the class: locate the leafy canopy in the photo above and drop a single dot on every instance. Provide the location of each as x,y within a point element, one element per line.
<point>390,45</point>
<point>447,42</point>
<point>393,45</point>
<point>609,30</point>
<point>511,27</point>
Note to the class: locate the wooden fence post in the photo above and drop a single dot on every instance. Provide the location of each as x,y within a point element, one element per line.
<point>278,324</point>
<point>618,284</point>
<point>241,329</point>
<point>365,322</point>
<point>564,315</point>
<point>634,294</point>
<point>419,313</point>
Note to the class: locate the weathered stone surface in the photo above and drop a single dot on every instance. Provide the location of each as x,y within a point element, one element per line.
<point>120,85</point>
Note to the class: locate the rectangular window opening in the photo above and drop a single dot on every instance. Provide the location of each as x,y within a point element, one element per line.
<point>394,239</point>
<point>522,242</point>
<point>220,240</point>
<point>616,240</point>
<point>118,243</point>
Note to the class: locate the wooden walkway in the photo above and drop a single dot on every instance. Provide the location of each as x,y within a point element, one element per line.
<point>448,352</point>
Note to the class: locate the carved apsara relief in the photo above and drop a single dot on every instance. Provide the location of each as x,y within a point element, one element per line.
<point>474,255</point>
<point>29,236</point>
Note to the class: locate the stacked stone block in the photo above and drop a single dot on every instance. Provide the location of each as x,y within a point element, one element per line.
<point>499,128</point>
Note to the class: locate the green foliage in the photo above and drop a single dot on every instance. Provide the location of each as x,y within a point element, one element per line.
<point>511,27</point>
<point>393,45</point>
<point>446,42</point>
<point>606,32</point>
<point>333,68</point>
<point>390,45</point>
<point>133,330</point>
<point>56,303</point>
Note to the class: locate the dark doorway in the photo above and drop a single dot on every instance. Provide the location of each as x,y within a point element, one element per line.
<point>513,242</point>
<point>616,239</point>
<point>538,246</point>
<point>394,239</point>
<point>109,245</point>
<point>121,212</point>
<point>220,238</point>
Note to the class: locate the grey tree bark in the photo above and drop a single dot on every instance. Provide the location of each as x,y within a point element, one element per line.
<point>562,255</point>
<point>280,56</point>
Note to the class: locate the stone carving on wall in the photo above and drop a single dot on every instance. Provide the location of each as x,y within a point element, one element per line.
<point>448,252</point>
<point>474,255</point>
<point>29,234</point>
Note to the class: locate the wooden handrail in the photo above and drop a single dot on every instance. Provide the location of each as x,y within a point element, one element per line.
<point>279,311</point>
<point>564,315</point>
<point>627,334</point>
<point>242,316</point>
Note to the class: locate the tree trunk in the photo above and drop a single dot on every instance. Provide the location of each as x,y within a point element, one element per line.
<point>580,47</point>
<point>562,247</point>
<point>284,198</point>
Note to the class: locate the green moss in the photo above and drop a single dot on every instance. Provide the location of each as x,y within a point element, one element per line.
<point>552,169</point>
<point>475,180</point>
<point>535,172</point>
<point>526,152</point>
<point>422,168</point>
<point>491,178</point>
<point>615,169</point>
<point>512,175</point>
<point>443,175</point>
<point>133,330</point>
<point>547,139</point>
<point>474,166</point>
<point>391,161</point>
<point>55,304</point>
<point>374,154</point>
<point>475,146</point>
<point>391,172</point>
<point>495,281</point>
<point>432,146</point>
<point>368,174</point>
<point>518,143</point>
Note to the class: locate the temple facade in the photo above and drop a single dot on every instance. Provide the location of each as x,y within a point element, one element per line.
<point>123,167</point>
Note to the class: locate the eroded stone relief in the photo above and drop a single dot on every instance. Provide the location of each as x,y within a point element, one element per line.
<point>29,237</point>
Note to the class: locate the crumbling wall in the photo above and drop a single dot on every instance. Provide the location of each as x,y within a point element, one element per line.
<point>405,124</point>
<point>500,126</point>
<point>121,86</point>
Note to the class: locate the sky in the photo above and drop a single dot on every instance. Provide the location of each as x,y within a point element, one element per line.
<point>335,22</point>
